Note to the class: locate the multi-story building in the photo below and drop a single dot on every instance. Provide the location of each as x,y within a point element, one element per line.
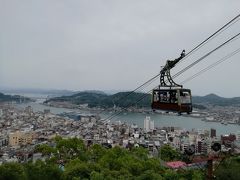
<point>28,110</point>
<point>238,136</point>
<point>192,138</point>
<point>199,146</point>
<point>1,113</point>
<point>206,133</point>
<point>177,142</point>
<point>184,144</point>
<point>148,124</point>
<point>213,133</point>
<point>227,140</point>
<point>3,141</point>
<point>203,146</point>
<point>207,145</point>
<point>20,138</point>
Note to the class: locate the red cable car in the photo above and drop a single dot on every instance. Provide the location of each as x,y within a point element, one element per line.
<point>170,96</point>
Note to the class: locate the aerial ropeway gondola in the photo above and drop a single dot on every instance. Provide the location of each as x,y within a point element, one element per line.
<point>170,96</point>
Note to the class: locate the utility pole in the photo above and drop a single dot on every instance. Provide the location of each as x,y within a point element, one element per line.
<point>210,169</point>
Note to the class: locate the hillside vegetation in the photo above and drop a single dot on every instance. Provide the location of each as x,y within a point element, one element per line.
<point>71,159</point>
<point>107,101</point>
<point>216,100</point>
<point>97,99</point>
<point>16,98</point>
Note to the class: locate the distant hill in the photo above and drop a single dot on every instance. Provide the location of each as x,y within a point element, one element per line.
<point>38,91</point>
<point>99,99</point>
<point>16,98</point>
<point>47,92</point>
<point>216,100</point>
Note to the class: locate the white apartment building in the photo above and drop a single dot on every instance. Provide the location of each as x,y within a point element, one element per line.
<point>148,124</point>
<point>238,136</point>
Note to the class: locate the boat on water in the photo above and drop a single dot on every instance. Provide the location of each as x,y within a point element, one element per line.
<point>224,123</point>
<point>210,118</point>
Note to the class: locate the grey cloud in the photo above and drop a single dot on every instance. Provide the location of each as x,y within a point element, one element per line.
<point>112,44</point>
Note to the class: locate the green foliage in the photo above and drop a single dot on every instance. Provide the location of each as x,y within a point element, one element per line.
<point>149,175</point>
<point>140,153</point>
<point>171,175</point>
<point>71,148</point>
<point>131,100</point>
<point>167,153</point>
<point>229,169</point>
<point>96,152</point>
<point>91,98</point>
<point>96,163</point>
<point>198,175</point>
<point>153,164</point>
<point>45,149</point>
<point>77,169</point>
<point>216,100</point>
<point>96,99</point>
<point>103,100</point>
<point>96,176</point>
<point>16,98</point>
<point>12,171</point>
<point>41,170</point>
<point>192,174</point>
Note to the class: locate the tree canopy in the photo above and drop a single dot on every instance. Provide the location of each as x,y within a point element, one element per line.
<point>71,159</point>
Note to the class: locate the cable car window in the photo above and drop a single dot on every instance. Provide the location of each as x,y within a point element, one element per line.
<point>185,97</point>
<point>170,96</point>
<point>164,96</point>
<point>155,96</point>
<point>173,97</point>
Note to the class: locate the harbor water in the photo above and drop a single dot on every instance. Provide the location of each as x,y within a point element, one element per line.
<point>160,120</point>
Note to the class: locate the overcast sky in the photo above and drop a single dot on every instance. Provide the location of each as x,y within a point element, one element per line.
<point>114,45</point>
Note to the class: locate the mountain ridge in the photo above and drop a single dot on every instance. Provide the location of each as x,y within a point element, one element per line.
<point>105,100</point>
<point>95,99</point>
<point>16,98</point>
<point>216,100</point>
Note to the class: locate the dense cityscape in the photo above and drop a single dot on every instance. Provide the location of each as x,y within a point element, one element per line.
<point>119,90</point>
<point>23,131</point>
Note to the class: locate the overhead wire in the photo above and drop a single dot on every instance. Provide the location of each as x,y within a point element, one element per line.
<point>223,28</point>
<point>211,66</point>
<point>180,72</point>
<point>220,30</point>
<point>216,33</point>
<point>144,95</point>
<point>139,88</point>
<point>206,55</point>
<point>194,63</point>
